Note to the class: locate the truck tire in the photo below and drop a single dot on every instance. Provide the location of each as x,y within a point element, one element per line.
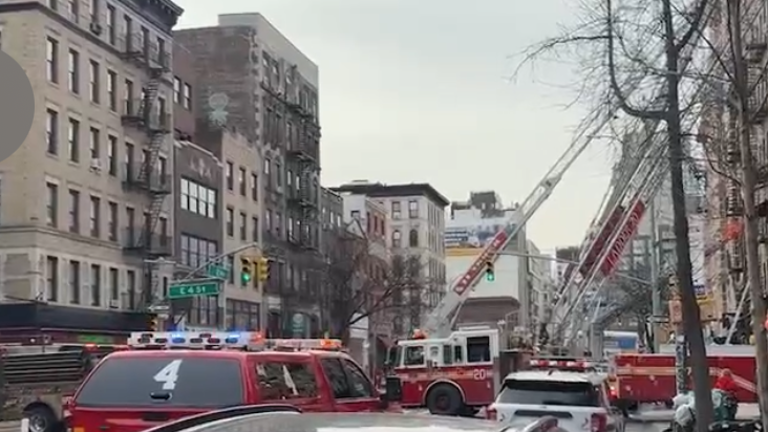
<point>445,399</point>
<point>41,418</point>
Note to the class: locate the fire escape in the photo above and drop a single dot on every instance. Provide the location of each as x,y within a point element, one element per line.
<point>148,115</point>
<point>302,200</point>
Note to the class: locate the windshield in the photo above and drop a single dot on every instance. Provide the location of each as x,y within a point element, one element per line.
<point>163,381</point>
<point>394,355</point>
<point>548,393</point>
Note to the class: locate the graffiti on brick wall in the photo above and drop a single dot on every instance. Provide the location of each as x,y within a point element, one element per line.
<point>218,114</point>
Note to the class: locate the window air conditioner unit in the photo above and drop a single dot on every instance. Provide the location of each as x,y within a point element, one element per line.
<point>96,28</point>
<point>96,164</point>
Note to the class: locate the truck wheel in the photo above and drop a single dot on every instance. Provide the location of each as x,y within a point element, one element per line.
<point>443,399</point>
<point>41,419</point>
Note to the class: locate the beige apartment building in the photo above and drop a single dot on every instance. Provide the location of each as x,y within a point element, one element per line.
<point>84,201</point>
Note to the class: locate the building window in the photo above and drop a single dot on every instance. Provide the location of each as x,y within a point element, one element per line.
<point>230,174</point>
<point>94,10</point>
<point>255,187</point>
<point>74,282</point>
<point>230,222</point>
<point>396,211</point>
<point>413,209</point>
<point>241,181</point>
<point>197,198</point>
<point>176,90</point>
<point>52,60</point>
<point>95,83</point>
<point>112,89</point>
<point>52,131</point>
<point>413,238</point>
<point>111,18</point>
<point>278,175</point>
<point>112,221</point>
<point>74,211</point>
<point>74,140</point>
<point>196,251</point>
<point>114,285</point>
<point>95,216</point>
<point>267,173</point>
<point>73,7</point>
<point>95,285</point>
<point>130,276</point>
<point>52,279</point>
<point>396,239</point>
<point>243,226</point>
<point>254,229</point>
<point>128,97</point>
<point>130,223</point>
<point>95,137</point>
<point>52,205</point>
<point>163,231</point>
<point>187,96</point>
<point>74,71</point>
<point>112,155</point>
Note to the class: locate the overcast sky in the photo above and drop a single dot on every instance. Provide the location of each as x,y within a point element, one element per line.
<point>419,91</point>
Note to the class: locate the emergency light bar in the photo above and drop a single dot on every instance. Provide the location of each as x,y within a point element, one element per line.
<point>246,341</point>
<point>570,365</point>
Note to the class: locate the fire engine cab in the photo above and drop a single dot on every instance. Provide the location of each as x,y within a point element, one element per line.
<point>455,375</point>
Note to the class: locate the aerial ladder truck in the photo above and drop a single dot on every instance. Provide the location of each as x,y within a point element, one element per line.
<point>456,372</point>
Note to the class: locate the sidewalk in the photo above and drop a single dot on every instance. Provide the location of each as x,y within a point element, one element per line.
<point>746,412</point>
<point>10,426</point>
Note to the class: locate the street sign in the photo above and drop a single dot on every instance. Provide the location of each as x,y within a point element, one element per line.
<point>217,271</point>
<point>159,309</point>
<point>194,288</point>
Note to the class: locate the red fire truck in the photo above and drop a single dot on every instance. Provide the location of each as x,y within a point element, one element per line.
<point>455,375</point>
<point>650,378</point>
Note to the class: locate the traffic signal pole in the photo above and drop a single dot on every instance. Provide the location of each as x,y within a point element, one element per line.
<point>217,259</point>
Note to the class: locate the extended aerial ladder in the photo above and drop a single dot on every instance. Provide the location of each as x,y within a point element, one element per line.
<point>604,256</point>
<point>442,319</point>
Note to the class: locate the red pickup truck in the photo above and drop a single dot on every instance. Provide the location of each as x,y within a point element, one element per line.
<point>134,390</point>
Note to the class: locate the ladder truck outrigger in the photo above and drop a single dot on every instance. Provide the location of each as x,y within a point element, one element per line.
<point>457,372</point>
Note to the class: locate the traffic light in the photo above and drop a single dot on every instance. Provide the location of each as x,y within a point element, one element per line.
<point>490,276</point>
<point>246,269</point>
<point>262,269</point>
<point>154,323</point>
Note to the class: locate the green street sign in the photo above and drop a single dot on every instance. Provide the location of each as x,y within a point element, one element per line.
<point>217,271</point>
<point>193,289</point>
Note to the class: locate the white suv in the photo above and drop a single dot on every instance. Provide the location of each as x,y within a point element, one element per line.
<point>578,400</point>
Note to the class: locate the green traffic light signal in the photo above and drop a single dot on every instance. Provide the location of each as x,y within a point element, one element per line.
<point>245,277</point>
<point>490,276</point>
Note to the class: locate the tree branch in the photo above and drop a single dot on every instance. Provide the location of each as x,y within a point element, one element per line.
<point>617,91</point>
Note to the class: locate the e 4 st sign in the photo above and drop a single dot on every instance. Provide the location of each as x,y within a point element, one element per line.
<point>193,289</point>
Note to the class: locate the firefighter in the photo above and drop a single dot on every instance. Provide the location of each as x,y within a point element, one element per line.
<point>727,385</point>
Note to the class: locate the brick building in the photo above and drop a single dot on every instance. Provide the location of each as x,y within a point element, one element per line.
<point>251,78</point>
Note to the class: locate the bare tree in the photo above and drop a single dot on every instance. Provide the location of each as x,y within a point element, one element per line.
<point>636,299</point>
<point>641,52</point>
<point>361,284</point>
